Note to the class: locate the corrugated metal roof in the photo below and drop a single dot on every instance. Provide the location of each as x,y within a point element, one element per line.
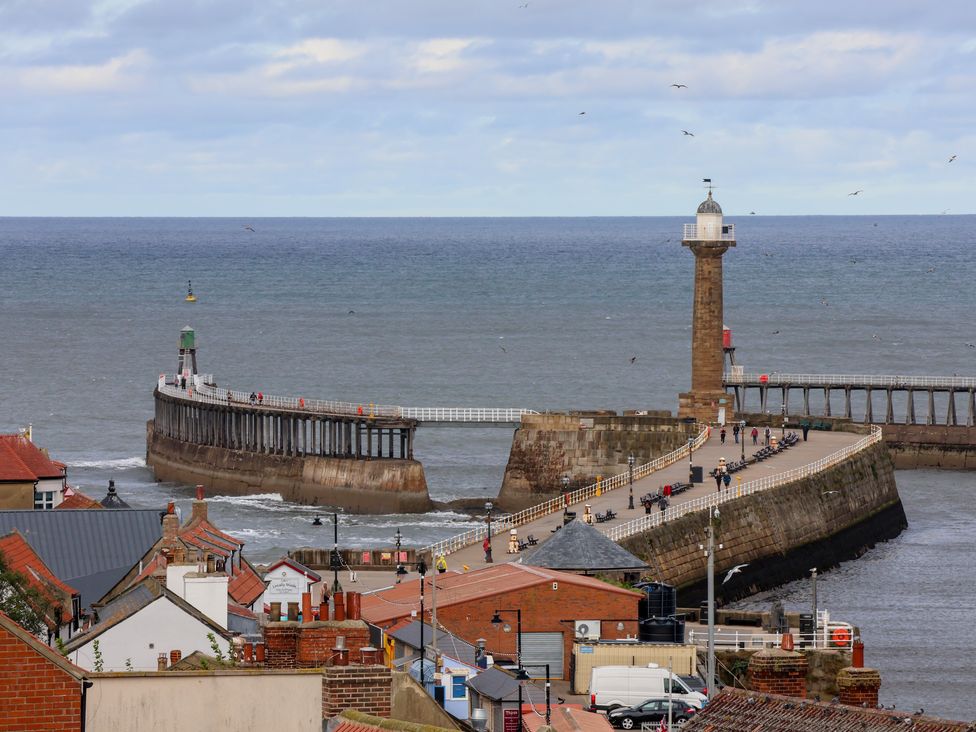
<point>89,550</point>
<point>447,643</point>
<point>497,684</point>
<point>580,547</point>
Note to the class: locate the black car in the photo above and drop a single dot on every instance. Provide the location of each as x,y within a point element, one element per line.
<point>653,710</point>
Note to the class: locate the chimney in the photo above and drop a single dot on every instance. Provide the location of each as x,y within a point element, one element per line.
<point>778,671</point>
<point>353,605</point>
<point>161,662</point>
<point>248,652</point>
<point>858,686</point>
<point>199,510</point>
<point>274,614</point>
<point>175,656</point>
<point>307,607</point>
<point>369,656</point>
<point>281,645</point>
<point>338,607</point>
<point>368,689</point>
<point>171,525</point>
<point>259,652</point>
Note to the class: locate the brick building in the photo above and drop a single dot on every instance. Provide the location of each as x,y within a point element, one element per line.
<point>39,688</point>
<point>551,603</point>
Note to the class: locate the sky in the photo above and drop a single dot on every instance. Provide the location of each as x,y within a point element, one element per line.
<point>475,107</point>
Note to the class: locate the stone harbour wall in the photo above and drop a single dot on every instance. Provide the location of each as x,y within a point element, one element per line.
<point>358,486</point>
<point>931,446</point>
<point>782,532</point>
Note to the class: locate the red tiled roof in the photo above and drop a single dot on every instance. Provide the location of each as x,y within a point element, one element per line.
<point>246,586</point>
<point>149,569</point>
<point>453,588</point>
<point>734,710</point>
<point>21,456</point>
<point>566,718</point>
<point>351,720</point>
<point>21,557</point>
<point>241,612</point>
<point>77,499</point>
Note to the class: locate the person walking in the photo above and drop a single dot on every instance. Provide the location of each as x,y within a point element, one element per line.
<point>806,428</point>
<point>718,479</point>
<point>721,436</point>
<point>767,436</point>
<point>663,504</point>
<point>486,545</point>
<point>755,435</point>
<point>726,479</point>
<point>735,433</point>
<point>441,564</point>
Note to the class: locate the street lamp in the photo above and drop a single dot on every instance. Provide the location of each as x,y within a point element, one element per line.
<point>691,463</point>
<point>742,439</point>
<point>713,515</point>
<point>400,569</point>
<point>565,493</point>
<point>520,675</point>
<point>488,508</point>
<point>630,464</point>
<point>335,560</point>
<point>785,418</point>
<point>422,571</point>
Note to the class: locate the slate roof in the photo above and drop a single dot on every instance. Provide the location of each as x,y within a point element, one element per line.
<point>579,547</point>
<point>734,710</point>
<point>447,643</point>
<point>89,550</point>
<point>498,684</point>
<point>243,621</point>
<point>112,498</point>
<point>20,557</point>
<point>453,588</point>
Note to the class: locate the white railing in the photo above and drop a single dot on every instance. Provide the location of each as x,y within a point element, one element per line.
<point>200,389</point>
<point>528,515</point>
<point>649,521</point>
<point>872,380</point>
<point>709,233</point>
<point>838,636</point>
<point>464,414</point>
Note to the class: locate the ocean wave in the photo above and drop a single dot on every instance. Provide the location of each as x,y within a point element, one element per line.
<point>264,502</point>
<point>253,533</point>
<point>118,464</point>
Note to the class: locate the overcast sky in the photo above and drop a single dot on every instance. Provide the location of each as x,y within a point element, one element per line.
<point>472,107</point>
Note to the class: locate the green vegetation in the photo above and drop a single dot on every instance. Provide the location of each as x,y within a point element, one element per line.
<point>21,602</point>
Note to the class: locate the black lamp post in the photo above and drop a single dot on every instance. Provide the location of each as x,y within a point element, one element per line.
<point>691,462</point>
<point>742,439</point>
<point>400,569</point>
<point>548,705</point>
<point>565,493</point>
<point>520,675</point>
<point>783,425</point>
<point>488,508</point>
<point>630,464</point>
<point>334,559</point>
<point>422,571</point>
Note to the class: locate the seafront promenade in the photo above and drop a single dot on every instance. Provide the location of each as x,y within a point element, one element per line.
<point>818,446</point>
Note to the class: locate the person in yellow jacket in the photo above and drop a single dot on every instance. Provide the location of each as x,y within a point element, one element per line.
<point>441,564</point>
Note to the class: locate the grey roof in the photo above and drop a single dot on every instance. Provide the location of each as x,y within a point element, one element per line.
<point>447,643</point>
<point>709,205</point>
<point>112,499</point>
<point>579,547</point>
<point>89,550</point>
<point>129,602</point>
<point>248,627</point>
<point>494,683</point>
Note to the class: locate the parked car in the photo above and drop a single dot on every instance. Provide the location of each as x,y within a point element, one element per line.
<point>695,683</point>
<point>653,710</point>
<point>624,686</point>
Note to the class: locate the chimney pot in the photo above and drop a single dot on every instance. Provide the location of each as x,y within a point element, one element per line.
<point>259,652</point>
<point>161,662</point>
<point>352,606</point>
<point>199,492</point>
<point>293,611</point>
<point>341,657</point>
<point>857,655</point>
<point>175,656</point>
<point>248,652</point>
<point>786,643</point>
<point>338,607</point>
<point>307,607</point>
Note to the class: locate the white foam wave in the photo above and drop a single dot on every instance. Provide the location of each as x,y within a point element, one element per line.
<point>253,533</point>
<point>118,464</point>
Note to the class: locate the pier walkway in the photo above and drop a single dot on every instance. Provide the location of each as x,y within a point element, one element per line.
<point>821,450</point>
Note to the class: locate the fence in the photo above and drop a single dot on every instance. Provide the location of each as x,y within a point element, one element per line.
<point>528,515</point>
<point>649,521</point>
<point>860,380</point>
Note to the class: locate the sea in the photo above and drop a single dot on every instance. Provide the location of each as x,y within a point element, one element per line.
<point>541,313</point>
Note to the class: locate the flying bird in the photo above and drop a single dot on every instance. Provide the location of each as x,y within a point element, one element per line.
<point>971,345</point>
<point>856,192</point>
<point>775,332</point>
<point>735,570</point>
<point>633,359</point>
<point>685,132</point>
<point>952,158</point>
<point>248,227</point>
<point>685,86</point>
<point>580,114</point>
<point>504,350</point>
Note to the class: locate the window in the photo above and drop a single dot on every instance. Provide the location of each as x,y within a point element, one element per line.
<point>458,688</point>
<point>43,500</point>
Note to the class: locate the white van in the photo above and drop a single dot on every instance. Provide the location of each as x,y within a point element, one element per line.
<point>625,686</point>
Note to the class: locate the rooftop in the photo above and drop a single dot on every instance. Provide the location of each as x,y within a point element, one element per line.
<point>582,548</point>
<point>709,205</point>
<point>20,557</point>
<point>22,460</point>
<point>447,643</point>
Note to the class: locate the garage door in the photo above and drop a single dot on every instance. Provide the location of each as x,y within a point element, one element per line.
<point>538,649</point>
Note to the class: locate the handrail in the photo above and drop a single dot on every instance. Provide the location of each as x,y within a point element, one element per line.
<point>650,521</point>
<point>709,233</point>
<point>878,380</point>
<point>528,515</point>
<point>201,389</point>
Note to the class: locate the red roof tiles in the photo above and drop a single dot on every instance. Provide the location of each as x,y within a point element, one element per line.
<point>77,499</point>
<point>21,557</point>
<point>20,459</point>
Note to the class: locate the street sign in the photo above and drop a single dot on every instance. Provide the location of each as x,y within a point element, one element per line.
<point>512,720</point>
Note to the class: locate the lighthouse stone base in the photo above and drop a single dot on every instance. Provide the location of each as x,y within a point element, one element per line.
<point>707,407</point>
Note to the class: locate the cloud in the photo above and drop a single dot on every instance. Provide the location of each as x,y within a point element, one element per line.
<point>121,73</point>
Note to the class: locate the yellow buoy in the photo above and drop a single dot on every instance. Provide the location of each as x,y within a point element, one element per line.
<point>190,297</point>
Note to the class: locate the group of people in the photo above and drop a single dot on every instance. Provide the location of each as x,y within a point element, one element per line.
<point>754,434</point>
<point>257,398</point>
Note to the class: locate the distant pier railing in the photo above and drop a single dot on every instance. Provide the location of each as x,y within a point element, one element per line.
<point>940,392</point>
<point>553,505</point>
<point>468,415</point>
<point>650,521</point>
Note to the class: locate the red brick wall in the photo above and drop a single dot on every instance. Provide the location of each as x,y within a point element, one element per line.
<point>778,672</point>
<point>543,610</point>
<point>368,689</point>
<point>290,645</point>
<point>35,694</point>
<point>858,686</point>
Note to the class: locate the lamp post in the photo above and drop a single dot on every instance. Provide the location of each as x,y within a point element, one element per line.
<point>548,705</point>
<point>488,508</point>
<point>713,514</point>
<point>783,424</point>
<point>334,559</point>
<point>520,675</point>
<point>691,464</point>
<point>742,439</point>
<point>400,569</point>
<point>422,571</point>
<point>565,493</point>
<point>630,464</point>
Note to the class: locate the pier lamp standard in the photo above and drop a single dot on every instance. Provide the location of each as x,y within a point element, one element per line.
<point>422,571</point>
<point>713,516</point>
<point>742,439</point>
<point>520,674</point>
<point>565,493</point>
<point>785,418</point>
<point>630,464</point>
<point>400,569</point>
<point>488,508</point>
<point>335,559</point>
<point>691,462</point>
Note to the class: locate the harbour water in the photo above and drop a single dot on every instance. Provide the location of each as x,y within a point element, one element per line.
<point>539,313</point>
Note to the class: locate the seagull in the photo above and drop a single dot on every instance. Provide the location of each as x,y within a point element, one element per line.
<point>580,114</point>
<point>504,350</point>
<point>685,86</point>
<point>971,345</point>
<point>856,192</point>
<point>249,227</point>
<point>775,332</point>
<point>853,261</point>
<point>685,132</point>
<point>876,336</point>
<point>952,158</point>
<point>633,359</point>
<point>930,269</point>
<point>735,570</point>
<point>823,301</point>
<point>351,312</point>
<point>921,710</point>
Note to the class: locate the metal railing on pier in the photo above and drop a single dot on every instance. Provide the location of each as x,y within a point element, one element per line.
<point>649,521</point>
<point>200,388</point>
<point>553,505</point>
<point>878,381</point>
<point>830,635</point>
<point>692,233</point>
